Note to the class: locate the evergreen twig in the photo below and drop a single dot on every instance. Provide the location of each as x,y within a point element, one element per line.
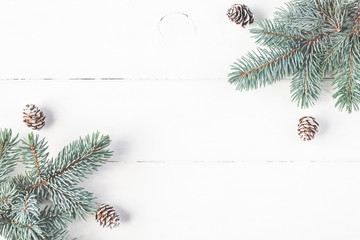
<point>55,180</point>
<point>309,39</point>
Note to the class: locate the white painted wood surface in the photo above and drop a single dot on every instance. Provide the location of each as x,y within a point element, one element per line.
<point>194,159</point>
<point>121,38</point>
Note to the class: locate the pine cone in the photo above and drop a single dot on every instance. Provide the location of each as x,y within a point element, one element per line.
<point>241,14</point>
<point>106,216</point>
<point>34,117</point>
<point>307,128</point>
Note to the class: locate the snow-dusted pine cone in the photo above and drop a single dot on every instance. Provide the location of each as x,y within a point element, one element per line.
<point>106,216</point>
<point>241,14</point>
<point>307,128</point>
<point>34,117</point>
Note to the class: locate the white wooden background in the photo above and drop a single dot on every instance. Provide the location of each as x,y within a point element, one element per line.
<point>194,159</point>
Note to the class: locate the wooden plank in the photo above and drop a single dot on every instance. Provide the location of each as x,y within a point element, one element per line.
<point>228,201</point>
<point>122,38</point>
<point>185,120</point>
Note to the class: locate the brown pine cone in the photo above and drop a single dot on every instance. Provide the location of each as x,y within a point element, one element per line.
<point>241,14</point>
<point>106,216</point>
<point>34,117</point>
<point>307,128</point>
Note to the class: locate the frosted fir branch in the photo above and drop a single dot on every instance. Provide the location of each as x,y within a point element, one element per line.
<point>76,161</point>
<point>20,215</point>
<point>55,221</point>
<point>34,154</point>
<point>14,230</point>
<point>270,34</point>
<point>80,158</point>
<point>357,22</point>
<point>8,153</point>
<point>26,209</point>
<point>75,201</point>
<point>8,194</point>
<point>50,215</point>
<point>296,15</point>
<point>316,44</point>
<point>324,35</point>
<point>263,68</point>
<point>333,13</point>
<point>266,67</point>
<point>335,54</point>
<point>276,34</point>
<point>6,197</point>
<point>346,81</point>
<point>306,83</point>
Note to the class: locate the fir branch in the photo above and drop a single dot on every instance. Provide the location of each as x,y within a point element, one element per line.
<point>33,149</point>
<point>334,56</point>
<point>315,44</point>
<point>53,217</point>
<point>268,63</point>
<point>347,85</point>
<point>14,230</point>
<point>306,84</point>
<point>325,41</point>
<point>357,22</point>
<point>280,35</point>
<point>256,71</point>
<point>4,198</point>
<point>26,210</point>
<point>75,163</point>
<point>23,182</point>
<point>34,153</point>
<point>76,201</point>
<point>7,194</point>
<point>17,224</point>
<point>80,158</point>
<point>311,42</point>
<point>332,13</point>
<point>296,15</point>
<point>37,185</point>
<point>55,180</point>
<point>54,220</point>
<point>8,153</point>
<point>269,34</point>
<point>67,196</point>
